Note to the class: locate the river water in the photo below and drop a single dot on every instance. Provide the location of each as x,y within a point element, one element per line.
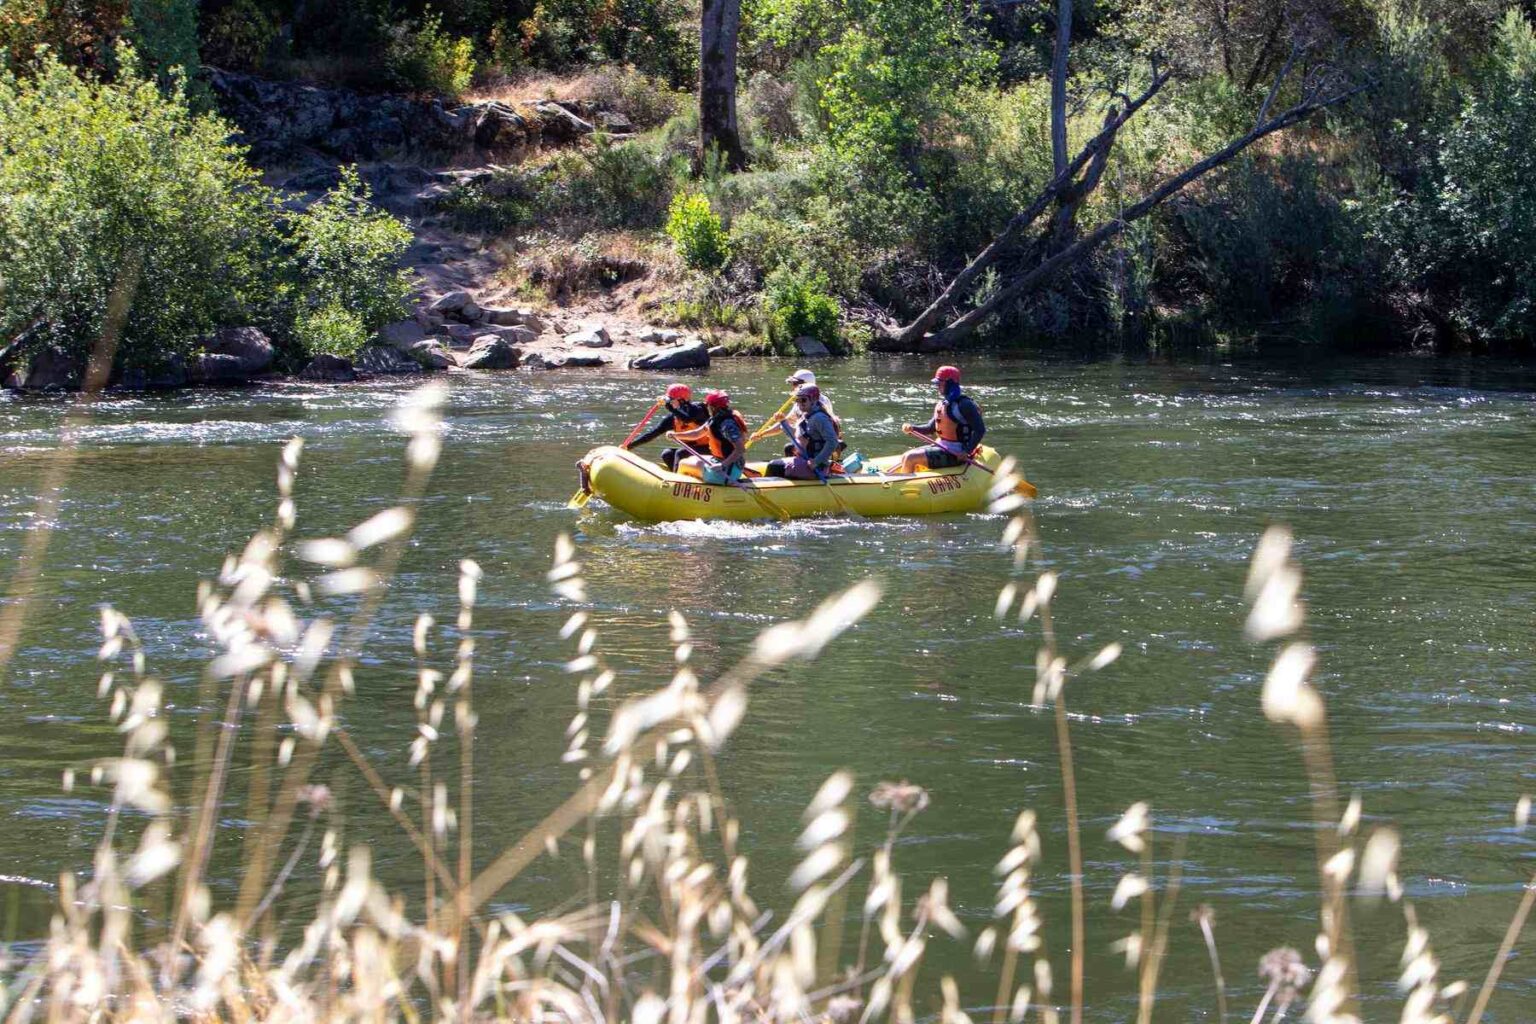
<point>1409,485</point>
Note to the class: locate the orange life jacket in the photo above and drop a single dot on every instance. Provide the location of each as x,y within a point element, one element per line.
<point>717,444</point>
<point>945,425</point>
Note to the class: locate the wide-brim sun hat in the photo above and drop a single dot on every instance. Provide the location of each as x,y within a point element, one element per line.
<point>801,377</point>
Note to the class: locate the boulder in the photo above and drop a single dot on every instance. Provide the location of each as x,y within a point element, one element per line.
<point>596,338</point>
<point>592,359</point>
<point>470,313</point>
<point>465,334</point>
<point>248,345</point>
<point>215,368</point>
<point>650,336</point>
<point>161,378</point>
<point>451,303</point>
<point>516,335</point>
<point>401,335</point>
<point>810,347</point>
<point>522,317</point>
<point>614,122</point>
<point>48,369</point>
<point>693,355</point>
<point>429,322</point>
<point>333,369</point>
<point>383,359</point>
<point>718,351</point>
<point>560,126</point>
<point>670,337</point>
<point>432,355</point>
<point>491,354</point>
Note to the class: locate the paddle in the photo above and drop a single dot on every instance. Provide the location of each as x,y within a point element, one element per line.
<point>800,450</point>
<point>581,497</point>
<point>1024,487</point>
<point>763,503</point>
<point>772,421</point>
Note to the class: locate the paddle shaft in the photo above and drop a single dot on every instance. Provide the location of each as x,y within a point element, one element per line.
<point>778,417</point>
<point>643,421</point>
<point>768,506</point>
<point>800,450</point>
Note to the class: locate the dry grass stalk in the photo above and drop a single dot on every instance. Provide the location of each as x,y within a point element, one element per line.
<point>683,939</point>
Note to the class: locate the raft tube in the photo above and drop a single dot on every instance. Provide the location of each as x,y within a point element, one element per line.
<point>651,492</point>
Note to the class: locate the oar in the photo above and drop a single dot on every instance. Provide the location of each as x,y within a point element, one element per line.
<point>581,497</point>
<point>800,450</point>
<point>772,421</point>
<point>1024,487</point>
<point>763,503</point>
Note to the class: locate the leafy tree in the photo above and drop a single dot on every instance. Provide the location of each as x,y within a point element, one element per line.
<point>102,177</point>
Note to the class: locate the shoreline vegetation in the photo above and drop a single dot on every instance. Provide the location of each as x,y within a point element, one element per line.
<point>1093,178</point>
<point>671,925</point>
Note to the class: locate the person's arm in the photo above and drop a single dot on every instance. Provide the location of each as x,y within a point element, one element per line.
<point>827,435</point>
<point>693,436</point>
<point>668,422</point>
<point>732,433</point>
<point>929,427</point>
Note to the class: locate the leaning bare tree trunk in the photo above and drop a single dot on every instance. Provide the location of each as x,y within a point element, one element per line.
<point>1058,249</point>
<point>719,24</point>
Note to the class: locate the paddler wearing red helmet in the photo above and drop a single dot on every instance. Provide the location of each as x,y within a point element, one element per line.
<point>726,434</point>
<point>956,427</point>
<point>683,414</point>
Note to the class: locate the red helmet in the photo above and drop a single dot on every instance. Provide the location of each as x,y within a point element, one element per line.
<point>945,374</point>
<point>717,399</point>
<point>810,392</point>
<point>679,392</point>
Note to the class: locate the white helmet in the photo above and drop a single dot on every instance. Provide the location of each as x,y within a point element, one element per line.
<point>801,377</point>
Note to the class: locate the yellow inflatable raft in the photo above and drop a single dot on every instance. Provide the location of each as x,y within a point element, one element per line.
<point>649,491</point>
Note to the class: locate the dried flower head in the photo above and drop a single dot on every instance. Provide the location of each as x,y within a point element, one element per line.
<point>899,797</point>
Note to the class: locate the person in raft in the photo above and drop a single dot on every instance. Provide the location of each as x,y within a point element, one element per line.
<point>683,414</point>
<point>956,427</point>
<point>726,433</point>
<point>791,415</point>
<point>815,438</point>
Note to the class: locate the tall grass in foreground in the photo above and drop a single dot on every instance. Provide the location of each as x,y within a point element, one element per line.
<point>668,926</point>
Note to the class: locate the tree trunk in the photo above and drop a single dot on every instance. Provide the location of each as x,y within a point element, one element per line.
<point>719,24</point>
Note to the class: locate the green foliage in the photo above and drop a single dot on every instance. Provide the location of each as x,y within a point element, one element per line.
<point>103,182</point>
<point>331,329</point>
<point>120,186</point>
<point>240,35</point>
<point>696,231</point>
<point>796,303</point>
<point>657,36</point>
<point>346,253</point>
<point>425,58</point>
<point>1466,232</point>
<point>613,185</point>
<point>164,32</point>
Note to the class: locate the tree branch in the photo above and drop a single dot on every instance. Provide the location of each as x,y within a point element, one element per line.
<point>1097,148</point>
<point>1312,101</point>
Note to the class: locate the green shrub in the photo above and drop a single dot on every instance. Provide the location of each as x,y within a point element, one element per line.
<point>796,303</point>
<point>424,58</point>
<point>697,233</point>
<point>346,253</point>
<point>331,329</point>
<point>503,203</point>
<point>612,185</point>
<point>164,33</point>
<point>239,36</point>
<point>646,100</point>
<point>102,180</point>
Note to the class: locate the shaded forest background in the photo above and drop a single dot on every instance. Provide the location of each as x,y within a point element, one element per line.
<point>888,141</point>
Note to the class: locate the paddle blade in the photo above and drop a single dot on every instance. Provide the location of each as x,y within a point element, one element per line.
<point>1026,488</point>
<point>579,499</point>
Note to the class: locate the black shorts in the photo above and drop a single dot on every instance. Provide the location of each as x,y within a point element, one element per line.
<point>941,458</point>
